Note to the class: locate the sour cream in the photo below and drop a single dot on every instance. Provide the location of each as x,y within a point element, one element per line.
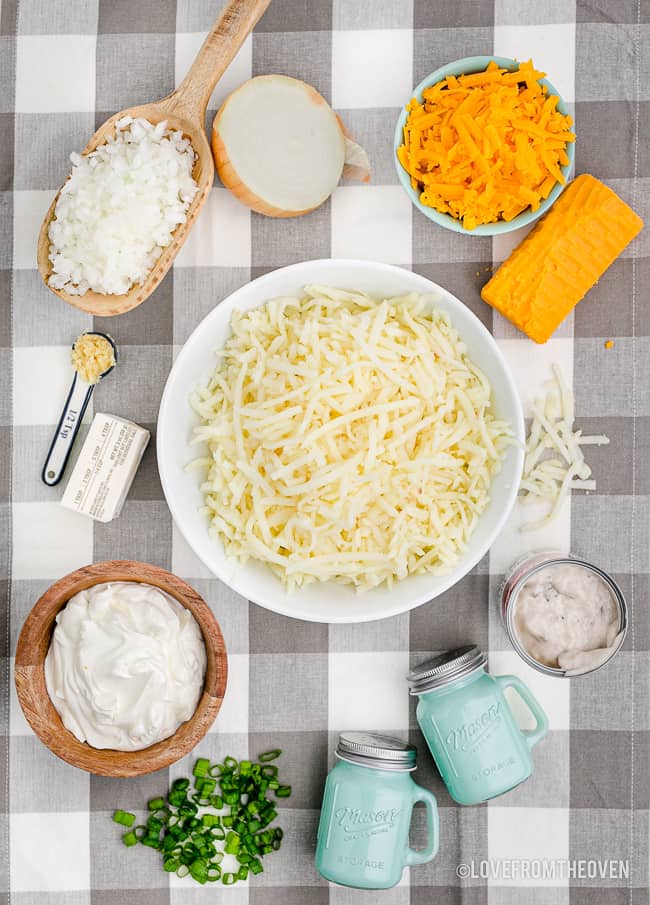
<point>566,617</point>
<point>125,666</point>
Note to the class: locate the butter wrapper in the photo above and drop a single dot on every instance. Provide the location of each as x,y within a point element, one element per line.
<point>104,472</point>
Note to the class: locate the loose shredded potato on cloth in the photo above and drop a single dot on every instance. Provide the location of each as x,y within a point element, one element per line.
<point>350,439</point>
<point>484,147</point>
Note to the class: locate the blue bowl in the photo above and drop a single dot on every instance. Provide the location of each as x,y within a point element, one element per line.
<point>462,67</point>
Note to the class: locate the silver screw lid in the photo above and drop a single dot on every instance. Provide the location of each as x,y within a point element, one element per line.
<point>445,668</point>
<point>373,750</point>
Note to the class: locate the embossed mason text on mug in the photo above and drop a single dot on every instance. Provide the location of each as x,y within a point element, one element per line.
<point>366,815</point>
<point>478,748</point>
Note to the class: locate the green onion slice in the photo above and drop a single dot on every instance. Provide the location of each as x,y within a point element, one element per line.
<point>270,755</point>
<point>124,818</point>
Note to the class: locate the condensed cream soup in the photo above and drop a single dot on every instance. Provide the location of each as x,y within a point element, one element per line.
<point>566,617</point>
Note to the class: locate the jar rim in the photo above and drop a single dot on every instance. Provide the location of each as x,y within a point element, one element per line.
<point>445,668</point>
<point>371,749</point>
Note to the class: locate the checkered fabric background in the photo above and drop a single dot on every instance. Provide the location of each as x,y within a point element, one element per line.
<point>66,65</point>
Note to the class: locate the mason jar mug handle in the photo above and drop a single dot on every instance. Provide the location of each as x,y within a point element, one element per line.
<point>430,850</point>
<point>535,735</point>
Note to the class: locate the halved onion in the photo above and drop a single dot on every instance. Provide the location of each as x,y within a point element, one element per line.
<point>280,148</point>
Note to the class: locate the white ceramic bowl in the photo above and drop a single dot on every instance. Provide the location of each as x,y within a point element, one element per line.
<point>326,601</point>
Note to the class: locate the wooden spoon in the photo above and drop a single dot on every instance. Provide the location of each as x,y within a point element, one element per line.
<point>184,110</point>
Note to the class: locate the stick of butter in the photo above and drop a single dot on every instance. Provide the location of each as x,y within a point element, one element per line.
<point>105,468</point>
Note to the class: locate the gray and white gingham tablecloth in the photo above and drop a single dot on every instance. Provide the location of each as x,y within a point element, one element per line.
<point>65,65</point>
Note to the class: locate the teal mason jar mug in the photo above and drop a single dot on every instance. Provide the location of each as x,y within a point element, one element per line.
<point>478,748</point>
<point>363,835</point>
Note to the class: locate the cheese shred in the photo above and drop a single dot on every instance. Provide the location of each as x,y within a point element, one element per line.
<point>486,146</point>
<point>350,439</point>
<point>555,464</point>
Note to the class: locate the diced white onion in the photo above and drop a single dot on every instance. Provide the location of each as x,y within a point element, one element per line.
<point>119,208</point>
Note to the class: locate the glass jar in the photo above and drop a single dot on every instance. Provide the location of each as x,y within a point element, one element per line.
<point>478,748</point>
<point>363,834</point>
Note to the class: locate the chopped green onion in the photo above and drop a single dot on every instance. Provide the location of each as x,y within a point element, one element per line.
<point>199,871</point>
<point>211,820</point>
<point>187,833</point>
<point>269,817</point>
<point>270,755</point>
<point>151,841</point>
<point>188,809</point>
<point>124,818</point>
<point>201,767</point>
<point>206,786</point>
<point>232,844</point>
<point>162,814</point>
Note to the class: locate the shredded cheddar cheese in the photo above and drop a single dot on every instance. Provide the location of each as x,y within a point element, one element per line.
<point>349,439</point>
<point>484,147</point>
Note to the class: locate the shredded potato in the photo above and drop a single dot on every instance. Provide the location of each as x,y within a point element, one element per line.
<point>350,439</point>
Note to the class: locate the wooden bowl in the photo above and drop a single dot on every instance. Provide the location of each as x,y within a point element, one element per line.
<point>29,673</point>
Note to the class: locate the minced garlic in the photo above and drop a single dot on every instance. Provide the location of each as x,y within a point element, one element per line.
<point>92,355</point>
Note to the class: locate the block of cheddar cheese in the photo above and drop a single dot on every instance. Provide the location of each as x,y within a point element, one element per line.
<point>562,258</point>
